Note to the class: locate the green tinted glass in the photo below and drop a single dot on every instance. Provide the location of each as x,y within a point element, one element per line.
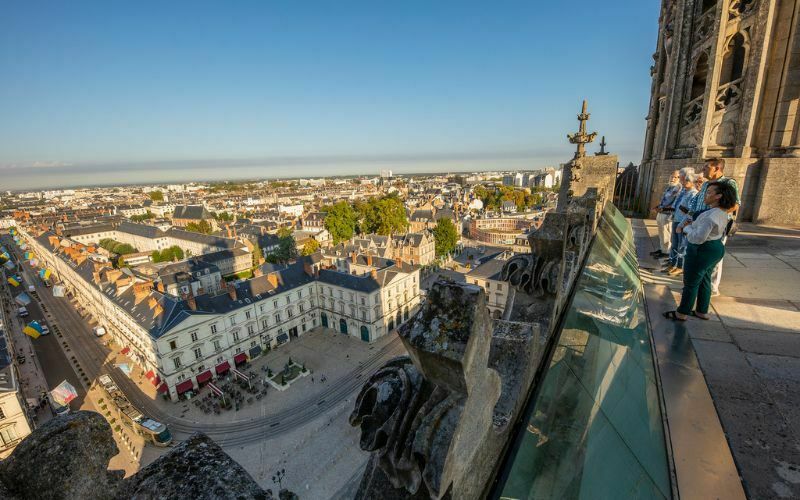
<point>595,429</point>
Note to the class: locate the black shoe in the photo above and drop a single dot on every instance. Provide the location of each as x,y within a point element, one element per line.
<point>656,254</point>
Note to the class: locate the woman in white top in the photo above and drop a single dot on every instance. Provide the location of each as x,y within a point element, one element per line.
<point>704,250</point>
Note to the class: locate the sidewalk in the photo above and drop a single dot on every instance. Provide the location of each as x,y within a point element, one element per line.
<point>31,378</point>
<point>749,353</point>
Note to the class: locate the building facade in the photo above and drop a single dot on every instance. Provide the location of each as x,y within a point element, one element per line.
<point>183,343</point>
<point>725,84</point>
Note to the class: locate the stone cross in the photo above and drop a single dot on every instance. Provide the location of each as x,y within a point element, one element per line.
<point>603,145</point>
<point>581,138</point>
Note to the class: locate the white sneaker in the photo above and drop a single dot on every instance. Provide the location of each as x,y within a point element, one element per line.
<point>715,293</point>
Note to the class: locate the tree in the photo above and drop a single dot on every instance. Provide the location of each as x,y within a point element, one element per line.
<point>310,247</point>
<point>143,217</point>
<point>223,216</point>
<point>287,247</point>
<point>156,196</point>
<point>340,221</point>
<point>383,216</point>
<point>168,254</point>
<point>199,227</point>
<point>445,236</point>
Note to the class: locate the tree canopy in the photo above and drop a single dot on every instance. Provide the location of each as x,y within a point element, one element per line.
<point>156,196</point>
<point>143,217</point>
<point>310,247</point>
<point>385,216</point>
<point>116,247</point>
<point>168,254</point>
<point>287,247</point>
<point>445,236</point>
<point>340,221</point>
<point>493,198</point>
<point>200,227</point>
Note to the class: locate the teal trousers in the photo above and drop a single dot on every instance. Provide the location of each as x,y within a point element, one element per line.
<point>697,268</point>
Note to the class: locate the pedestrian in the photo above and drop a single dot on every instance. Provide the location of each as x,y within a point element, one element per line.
<point>680,211</point>
<point>704,251</point>
<point>664,216</point>
<point>714,171</point>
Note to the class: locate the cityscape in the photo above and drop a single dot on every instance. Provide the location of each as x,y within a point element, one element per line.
<point>390,302</point>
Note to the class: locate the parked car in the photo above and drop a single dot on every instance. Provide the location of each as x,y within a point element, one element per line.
<point>45,329</point>
<point>99,331</point>
<point>22,312</point>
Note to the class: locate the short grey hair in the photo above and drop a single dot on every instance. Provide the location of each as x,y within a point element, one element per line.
<point>688,173</point>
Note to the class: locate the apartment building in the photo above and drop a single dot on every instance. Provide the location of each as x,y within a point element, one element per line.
<point>14,425</point>
<point>183,343</point>
<point>487,276</point>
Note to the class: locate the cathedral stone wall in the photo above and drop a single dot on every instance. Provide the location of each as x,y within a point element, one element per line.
<point>726,83</point>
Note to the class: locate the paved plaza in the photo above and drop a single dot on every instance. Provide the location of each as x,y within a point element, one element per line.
<point>748,353</point>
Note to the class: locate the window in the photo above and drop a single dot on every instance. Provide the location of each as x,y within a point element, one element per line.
<point>264,324</point>
<point>261,308</point>
<point>275,303</point>
<point>235,336</point>
<point>2,414</point>
<point>247,314</point>
<point>290,312</point>
<point>278,318</point>
<point>233,320</point>
<point>253,343</point>
<point>220,359</point>
<point>213,329</point>
<point>288,299</point>
<point>177,363</point>
<point>302,308</point>
<point>194,336</point>
<point>250,329</point>
<point>499,287</point>
<point>8,435</point>
<point>363,315</point>
<point>217,347</point>
<point>363,301</point>
<point>173,345</point>
<point>299,294</point>
<point>198,353</point>
<point>238,350</point>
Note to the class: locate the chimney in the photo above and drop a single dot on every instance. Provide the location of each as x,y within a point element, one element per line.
<point>353,257</point>
<point>228,231</point>
<point>232,291</point>
<point>190,301</point>
<point>273,279</point>
<point>308,268</point>
<point>374,274</point>
<point>257,272</point>
<point>399,261</point>
<point>160,286</point>
<point>369,259</point>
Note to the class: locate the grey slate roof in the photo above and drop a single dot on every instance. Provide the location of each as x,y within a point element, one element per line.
<point>194,212</point>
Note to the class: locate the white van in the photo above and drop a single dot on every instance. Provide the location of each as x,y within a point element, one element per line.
<point>22,312</point>
<point>99,331</point>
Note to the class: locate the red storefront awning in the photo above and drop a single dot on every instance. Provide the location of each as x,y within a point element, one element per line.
<point>223,367</point>
<point>184,386</point>
<point>240,358</point>
<point>126,350</point>
<point>149,375</point>
<point>163,388</point>
<point>204,377</point>
<point>156,380</point>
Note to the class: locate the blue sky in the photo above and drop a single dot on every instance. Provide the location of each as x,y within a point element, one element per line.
<point>100,92</point>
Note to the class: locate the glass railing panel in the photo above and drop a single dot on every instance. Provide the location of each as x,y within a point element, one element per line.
<point>595,429</point>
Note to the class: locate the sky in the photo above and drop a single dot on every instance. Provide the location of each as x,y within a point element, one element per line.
<point>123,92</point>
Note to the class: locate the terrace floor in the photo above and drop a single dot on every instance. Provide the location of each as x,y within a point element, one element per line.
<point>749,357</point>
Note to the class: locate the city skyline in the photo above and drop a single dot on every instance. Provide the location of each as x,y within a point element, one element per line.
<point>132,99</point>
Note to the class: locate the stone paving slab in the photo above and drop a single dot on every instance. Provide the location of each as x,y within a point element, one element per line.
<point>766,342</point>
<point>775,316</point>
<point>749,354</point>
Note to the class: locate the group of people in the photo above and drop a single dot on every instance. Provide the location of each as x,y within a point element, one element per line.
<point>695,217</point>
